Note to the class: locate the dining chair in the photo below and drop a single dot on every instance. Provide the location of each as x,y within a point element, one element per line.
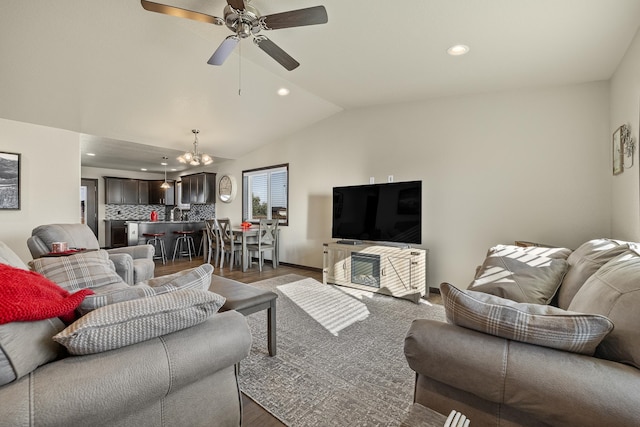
<point>229,245</point>
<point>266,241</point>
<point>213,241</point>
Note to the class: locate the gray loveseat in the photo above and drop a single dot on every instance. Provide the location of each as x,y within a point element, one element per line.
<point>499,381</point>
<point>133,263</point>
<point>184,378</point>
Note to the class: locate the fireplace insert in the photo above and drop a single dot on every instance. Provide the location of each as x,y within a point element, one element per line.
<point>365,269</point>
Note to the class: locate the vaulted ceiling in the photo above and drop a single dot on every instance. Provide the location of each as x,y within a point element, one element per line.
<point>121,75</point>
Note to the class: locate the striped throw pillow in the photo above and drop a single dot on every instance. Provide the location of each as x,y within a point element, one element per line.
<point>538,324</point>
<point>130,322</point>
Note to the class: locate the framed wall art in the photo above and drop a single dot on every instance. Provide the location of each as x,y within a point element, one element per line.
<point>9,180</point>
<point>618,150</point>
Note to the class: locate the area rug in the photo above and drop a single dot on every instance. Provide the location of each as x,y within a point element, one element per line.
<point>340,359</point>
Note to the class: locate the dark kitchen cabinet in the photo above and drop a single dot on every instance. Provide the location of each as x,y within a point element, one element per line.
<point>121,191</point>
<point>199,188</point>
<point>160,196</point>
<point>143,192</point>
<point>186,189</point>
<point>126,191</point>
<point>129,191</point>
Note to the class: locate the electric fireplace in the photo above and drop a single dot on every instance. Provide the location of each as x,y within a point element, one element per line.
<point>365,269</point>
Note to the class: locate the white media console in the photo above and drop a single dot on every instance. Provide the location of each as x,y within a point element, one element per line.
<point>399,271</point>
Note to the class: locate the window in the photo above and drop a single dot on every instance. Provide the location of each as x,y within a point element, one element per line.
<point>265,194</point>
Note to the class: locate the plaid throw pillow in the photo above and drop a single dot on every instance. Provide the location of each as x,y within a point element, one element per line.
<point>530,323</point>
<point>84,270</point>
<point>130,322</point>
<point>195,278</point>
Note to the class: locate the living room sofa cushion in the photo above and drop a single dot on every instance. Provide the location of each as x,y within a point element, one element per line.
<point>83,270</point>
<point>528,275</point>
<point>129,322</point>
<point>194,278</point>
<point>7,256</point>
<point>26,345</point>
<point>538,324</point>
<point>585,261</point>
<point>614,291</point>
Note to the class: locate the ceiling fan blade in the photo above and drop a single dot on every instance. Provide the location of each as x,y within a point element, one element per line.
<point>276,53</point>
<point>295,18</point>
<point>181,13</point>
<point>224,50</point>
<point>236,4</point>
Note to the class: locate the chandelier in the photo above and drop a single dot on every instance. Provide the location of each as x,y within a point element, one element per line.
<point>195,158</point>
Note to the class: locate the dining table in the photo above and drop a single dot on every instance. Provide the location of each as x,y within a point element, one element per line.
<point>249,235</point>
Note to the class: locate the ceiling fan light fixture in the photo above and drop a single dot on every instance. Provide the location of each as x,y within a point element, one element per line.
<point>244,20</point>
<point>194,158</point>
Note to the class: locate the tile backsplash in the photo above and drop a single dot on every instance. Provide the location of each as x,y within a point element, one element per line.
<point>143,212</point>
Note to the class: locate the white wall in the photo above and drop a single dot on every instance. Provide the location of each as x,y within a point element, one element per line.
<point>49,180</point>
<point>521,165</point>
<point>625,109</point>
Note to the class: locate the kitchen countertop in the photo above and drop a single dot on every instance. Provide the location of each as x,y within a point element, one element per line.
<point>162,222</point>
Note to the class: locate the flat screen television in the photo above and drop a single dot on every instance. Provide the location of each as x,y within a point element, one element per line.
<point>390,212</point>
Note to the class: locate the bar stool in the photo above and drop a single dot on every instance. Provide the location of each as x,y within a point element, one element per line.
<point>157,240</point>
<point>184,237</point>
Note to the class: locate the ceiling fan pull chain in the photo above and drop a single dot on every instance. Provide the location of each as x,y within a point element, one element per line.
<point>240,69</point>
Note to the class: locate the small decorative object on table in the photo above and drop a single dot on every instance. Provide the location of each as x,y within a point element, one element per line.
<point>245,224</point>
<point>457,419</point>
<point>57,247</point>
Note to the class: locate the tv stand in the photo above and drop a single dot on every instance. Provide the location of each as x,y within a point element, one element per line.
<point>398,271</point>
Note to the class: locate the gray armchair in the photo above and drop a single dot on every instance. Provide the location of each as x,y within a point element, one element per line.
<point>133,263</point>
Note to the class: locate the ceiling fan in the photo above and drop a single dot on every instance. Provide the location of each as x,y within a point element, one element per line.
<point>244,21</point>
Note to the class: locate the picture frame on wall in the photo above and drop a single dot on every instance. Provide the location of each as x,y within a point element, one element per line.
<point>9,181</point>
<point>618,151</point>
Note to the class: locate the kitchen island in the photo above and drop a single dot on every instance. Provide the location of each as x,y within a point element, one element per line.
<point>137,229</point>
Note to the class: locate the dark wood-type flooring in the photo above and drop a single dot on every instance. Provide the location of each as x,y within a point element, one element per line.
<point>253,415</point>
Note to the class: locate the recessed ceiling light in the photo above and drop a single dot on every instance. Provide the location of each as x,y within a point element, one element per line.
<point>143,169</point>
<point>458,49</point>
<point>91,154</point>
<point>283,91</point>
<point>173,169</point>
<point>164,163</point>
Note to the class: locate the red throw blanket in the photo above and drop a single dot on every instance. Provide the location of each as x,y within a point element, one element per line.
<point>27,296</point>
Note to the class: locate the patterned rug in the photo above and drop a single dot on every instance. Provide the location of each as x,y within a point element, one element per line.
<point>340,359</point>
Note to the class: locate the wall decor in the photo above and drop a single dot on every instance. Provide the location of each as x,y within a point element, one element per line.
<point>618,150</point>
<point>9,180</point>
<point>628,147</point>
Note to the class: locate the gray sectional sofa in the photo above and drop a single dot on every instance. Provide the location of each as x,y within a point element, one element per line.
<point>505,362</point>
<point>187,377</point>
